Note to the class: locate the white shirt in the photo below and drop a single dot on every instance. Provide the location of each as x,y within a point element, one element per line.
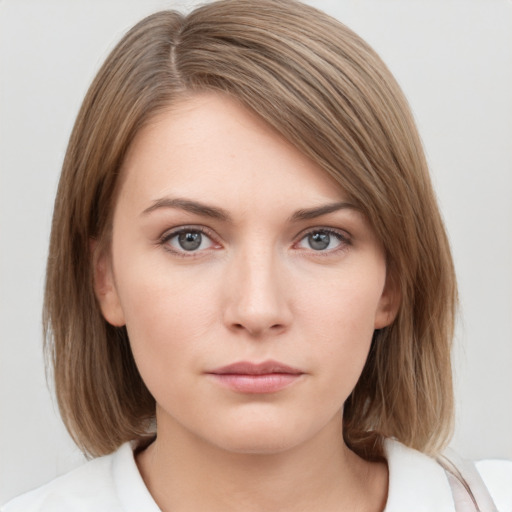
<point>113,483</point>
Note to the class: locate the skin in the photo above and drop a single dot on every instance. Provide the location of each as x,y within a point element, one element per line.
<point>254,290</point>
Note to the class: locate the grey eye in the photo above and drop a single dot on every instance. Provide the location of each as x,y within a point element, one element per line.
<point>323,240</point>
<point>190,240</point>
<point>319,241</point>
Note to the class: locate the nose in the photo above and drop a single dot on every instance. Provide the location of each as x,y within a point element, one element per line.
<point>257,295</point>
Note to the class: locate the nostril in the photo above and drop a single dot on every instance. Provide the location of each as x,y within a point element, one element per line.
<point>256,330</point>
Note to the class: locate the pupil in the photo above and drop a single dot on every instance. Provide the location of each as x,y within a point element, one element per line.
<point>319,241</point>
<point>189,241</point>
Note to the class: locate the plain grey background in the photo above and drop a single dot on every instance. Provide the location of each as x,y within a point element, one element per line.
<point>453,58</point>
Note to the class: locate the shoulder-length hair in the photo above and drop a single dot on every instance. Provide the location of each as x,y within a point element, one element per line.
<point>328,93</point>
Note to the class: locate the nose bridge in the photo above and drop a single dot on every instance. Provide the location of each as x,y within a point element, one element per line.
<point>257,298</point>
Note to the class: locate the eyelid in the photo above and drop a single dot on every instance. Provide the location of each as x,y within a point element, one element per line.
<point>342,235</point>
<point>167,235</point>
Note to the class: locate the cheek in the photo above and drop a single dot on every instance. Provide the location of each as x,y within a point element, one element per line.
<point>340,319</point>
<point>347,302</point>
<point>167,314</point>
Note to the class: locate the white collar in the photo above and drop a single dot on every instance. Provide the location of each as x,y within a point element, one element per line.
<point>416,481</point>
<point>130,487</point>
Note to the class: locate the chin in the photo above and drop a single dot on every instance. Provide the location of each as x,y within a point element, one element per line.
<point>261,436</point>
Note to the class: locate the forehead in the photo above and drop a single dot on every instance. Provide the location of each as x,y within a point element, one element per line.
<point>211,145</point>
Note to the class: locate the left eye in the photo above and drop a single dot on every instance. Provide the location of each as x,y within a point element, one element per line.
<point>322,240</point>
<point>190,240</point>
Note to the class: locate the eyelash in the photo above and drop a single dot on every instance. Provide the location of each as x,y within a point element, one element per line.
<point>342,237</point>
<point>169,235</point>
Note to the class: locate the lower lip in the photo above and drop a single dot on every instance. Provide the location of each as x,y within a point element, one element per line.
<point>257,384</point>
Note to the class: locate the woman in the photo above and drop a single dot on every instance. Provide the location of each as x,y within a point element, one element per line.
<point>250,294</point>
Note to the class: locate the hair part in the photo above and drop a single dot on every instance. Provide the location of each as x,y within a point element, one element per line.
<point>327,92</point>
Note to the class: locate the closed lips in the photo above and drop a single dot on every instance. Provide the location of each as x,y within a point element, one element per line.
<point>256,378</point>
<point>247,368</point>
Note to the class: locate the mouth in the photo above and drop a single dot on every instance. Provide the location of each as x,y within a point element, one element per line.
<point>256,378</point>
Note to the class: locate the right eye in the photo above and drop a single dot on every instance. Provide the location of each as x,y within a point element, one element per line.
<point>187,240</point>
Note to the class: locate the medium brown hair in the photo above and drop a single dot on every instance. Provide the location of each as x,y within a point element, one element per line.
<point>327,92</point>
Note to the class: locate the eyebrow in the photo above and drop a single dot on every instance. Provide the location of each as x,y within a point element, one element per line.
<point>215,212</point>
<point>189,206</point>
<point>313,213</point>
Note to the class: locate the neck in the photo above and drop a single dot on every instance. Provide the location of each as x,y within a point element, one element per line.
<point>185,473</point>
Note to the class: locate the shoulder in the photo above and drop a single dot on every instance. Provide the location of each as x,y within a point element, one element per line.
<point>101,485</point>
<point>419,482</point>
<point>497,476</point>
<point>91,483</point>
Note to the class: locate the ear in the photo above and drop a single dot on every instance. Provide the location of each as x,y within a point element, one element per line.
<point>389,302</point>
<point>104,285</point>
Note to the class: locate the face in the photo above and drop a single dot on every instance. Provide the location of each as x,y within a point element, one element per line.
<point>249,285</point>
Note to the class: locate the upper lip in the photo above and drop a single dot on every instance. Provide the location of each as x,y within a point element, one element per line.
<point>249,368</point>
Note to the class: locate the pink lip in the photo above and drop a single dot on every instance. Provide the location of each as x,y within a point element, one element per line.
<point>265,377</point>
